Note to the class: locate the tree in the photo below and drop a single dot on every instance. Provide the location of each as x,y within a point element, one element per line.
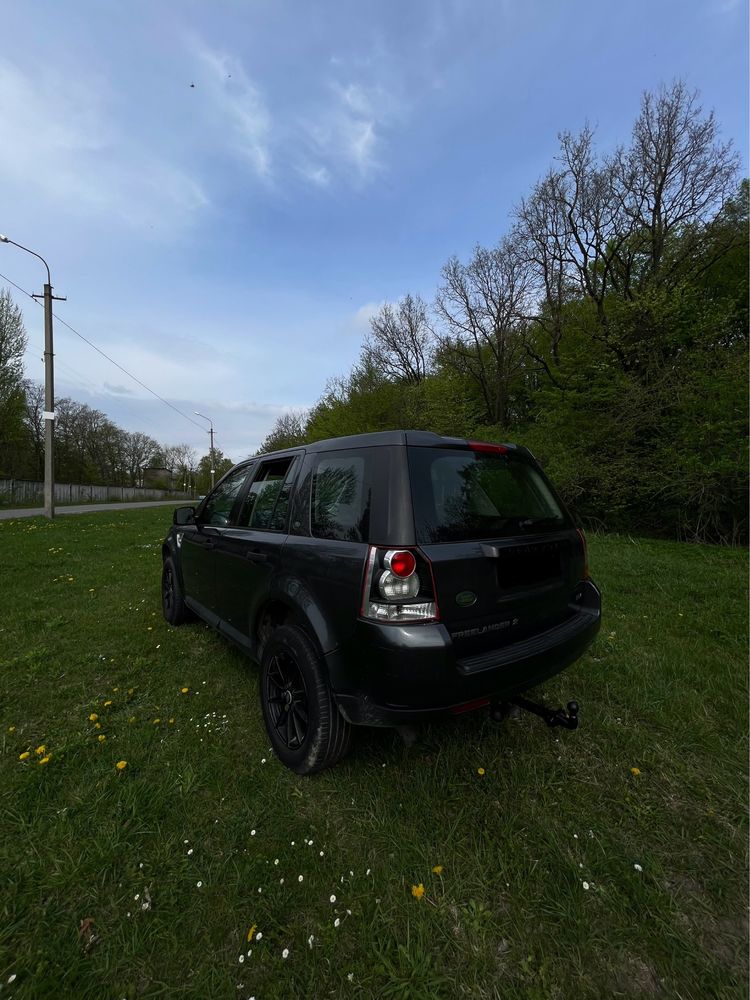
<point>12,398</point>
<point>482,306</point>
<point>400,338</point>
<point>287,432</point>
<point>138,451</point>
<point>222,464</point>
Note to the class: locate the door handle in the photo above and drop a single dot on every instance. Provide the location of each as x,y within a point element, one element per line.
<point>255,555</point>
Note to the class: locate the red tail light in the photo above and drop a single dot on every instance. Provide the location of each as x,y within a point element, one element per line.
<point>398,587</point>
<point>584,546</point>
<point>495,449</point>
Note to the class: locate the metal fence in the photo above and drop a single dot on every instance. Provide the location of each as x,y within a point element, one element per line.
<point>26,491</point>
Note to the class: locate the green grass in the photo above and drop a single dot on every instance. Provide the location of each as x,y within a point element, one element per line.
<point>663,690</point>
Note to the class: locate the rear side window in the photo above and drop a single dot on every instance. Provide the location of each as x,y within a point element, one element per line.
<point>267,502</point>
<point>463,495</point>
<point>340,498</point>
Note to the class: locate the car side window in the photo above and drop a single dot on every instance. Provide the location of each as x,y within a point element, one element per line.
<point>266,504</point>
<point>218,506</point>
<point>340,500</point>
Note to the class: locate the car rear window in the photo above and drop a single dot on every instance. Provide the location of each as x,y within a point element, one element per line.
<point>463,495</point>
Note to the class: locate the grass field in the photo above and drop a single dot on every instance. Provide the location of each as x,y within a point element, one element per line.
<point>603,863</point>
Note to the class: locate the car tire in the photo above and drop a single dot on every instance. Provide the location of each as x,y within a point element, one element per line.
<point>173,606</point>
<point>306,729</point>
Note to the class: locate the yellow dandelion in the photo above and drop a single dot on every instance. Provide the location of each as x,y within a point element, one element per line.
<point>171,722</point>
<point>11,729</point>
<point>481,771</point>
<point>130,690</point>
<point>184,690</point>
<point>40,751</point>
<point>45,760</point>
<point>24,756</point>
<point>251,932</point>
<point>121,765</point>
<point>635,771</point>
<point>417,891</point>
<point>107,704</point>
<point>97,725</point>
<point>157,721</point>
<point>115,690</point>
<point>131,719</point>
<point>437,870</point>
<point>93,717</point>
<point>101,737</point>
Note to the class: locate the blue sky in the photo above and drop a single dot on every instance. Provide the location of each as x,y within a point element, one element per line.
<point>227,241</point>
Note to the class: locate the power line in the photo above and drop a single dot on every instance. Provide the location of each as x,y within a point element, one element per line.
<point>104,355</point>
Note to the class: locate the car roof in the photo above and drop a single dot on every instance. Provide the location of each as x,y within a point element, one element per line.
<point>376,439</point>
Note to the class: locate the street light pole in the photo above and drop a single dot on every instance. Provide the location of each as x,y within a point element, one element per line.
<point>49,385</point>
<point>211,453</point>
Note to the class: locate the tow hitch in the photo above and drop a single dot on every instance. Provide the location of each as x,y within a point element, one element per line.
<point>568,717</point>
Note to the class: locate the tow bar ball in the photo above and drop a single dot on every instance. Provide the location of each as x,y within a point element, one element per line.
<point>567,718</point>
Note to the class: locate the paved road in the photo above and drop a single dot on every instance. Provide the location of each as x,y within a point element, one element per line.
<point>91,508</point>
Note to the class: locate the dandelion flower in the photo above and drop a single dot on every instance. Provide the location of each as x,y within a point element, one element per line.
<point>101,737</point>
<point>45,760</point>
<point>107,704</point>
<point>437,870</point>
<point>285,953</point>
<point>93,717</point>
<point>481,771</point>
<point>121,765</point>
<point>97,725</point>
<point>11,729</point>
<point>24,756</point>
<point>184,690</point>
<point>635,771</point>
<point>156,722</point>
<point>171,722</point>
<point>131,719</point>
<point>417,891</point>
<point>40,751</point>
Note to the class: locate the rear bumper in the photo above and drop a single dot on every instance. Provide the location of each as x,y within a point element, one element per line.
<point>396,675</point>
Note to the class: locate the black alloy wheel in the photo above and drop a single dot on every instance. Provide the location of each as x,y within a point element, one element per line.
<point>306,729</point>
<point>173,605</point>
<point>286,696</point>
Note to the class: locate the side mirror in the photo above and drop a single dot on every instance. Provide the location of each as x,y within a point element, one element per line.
<point>184,515</point>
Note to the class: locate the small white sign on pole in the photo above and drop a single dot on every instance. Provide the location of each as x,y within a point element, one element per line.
<point>49,414</point>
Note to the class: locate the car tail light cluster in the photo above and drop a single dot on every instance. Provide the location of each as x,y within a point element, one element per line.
<point>398,586</point>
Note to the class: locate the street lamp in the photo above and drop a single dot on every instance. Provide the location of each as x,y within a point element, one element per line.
<point>211,432</point>
<point>49,385</point>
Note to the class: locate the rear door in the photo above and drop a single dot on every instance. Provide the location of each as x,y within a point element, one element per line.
<point>505,556</point>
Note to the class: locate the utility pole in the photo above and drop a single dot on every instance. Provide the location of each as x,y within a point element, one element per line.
<point>211,453</point>
<point>49,385</point>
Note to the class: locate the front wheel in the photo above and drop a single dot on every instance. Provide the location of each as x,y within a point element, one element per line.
<point>306,729</point>
<point>173,606</point>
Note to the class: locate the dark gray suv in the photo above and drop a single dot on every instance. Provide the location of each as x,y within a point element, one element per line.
<point>384,579</point>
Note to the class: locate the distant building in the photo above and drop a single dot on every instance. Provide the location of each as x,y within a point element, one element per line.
<point>158,478</point>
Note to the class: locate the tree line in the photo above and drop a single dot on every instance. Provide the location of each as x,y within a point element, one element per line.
<point>607,330</point>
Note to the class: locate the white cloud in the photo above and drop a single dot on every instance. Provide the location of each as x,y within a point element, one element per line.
<point>239,102</point>
<point>61,146</point>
